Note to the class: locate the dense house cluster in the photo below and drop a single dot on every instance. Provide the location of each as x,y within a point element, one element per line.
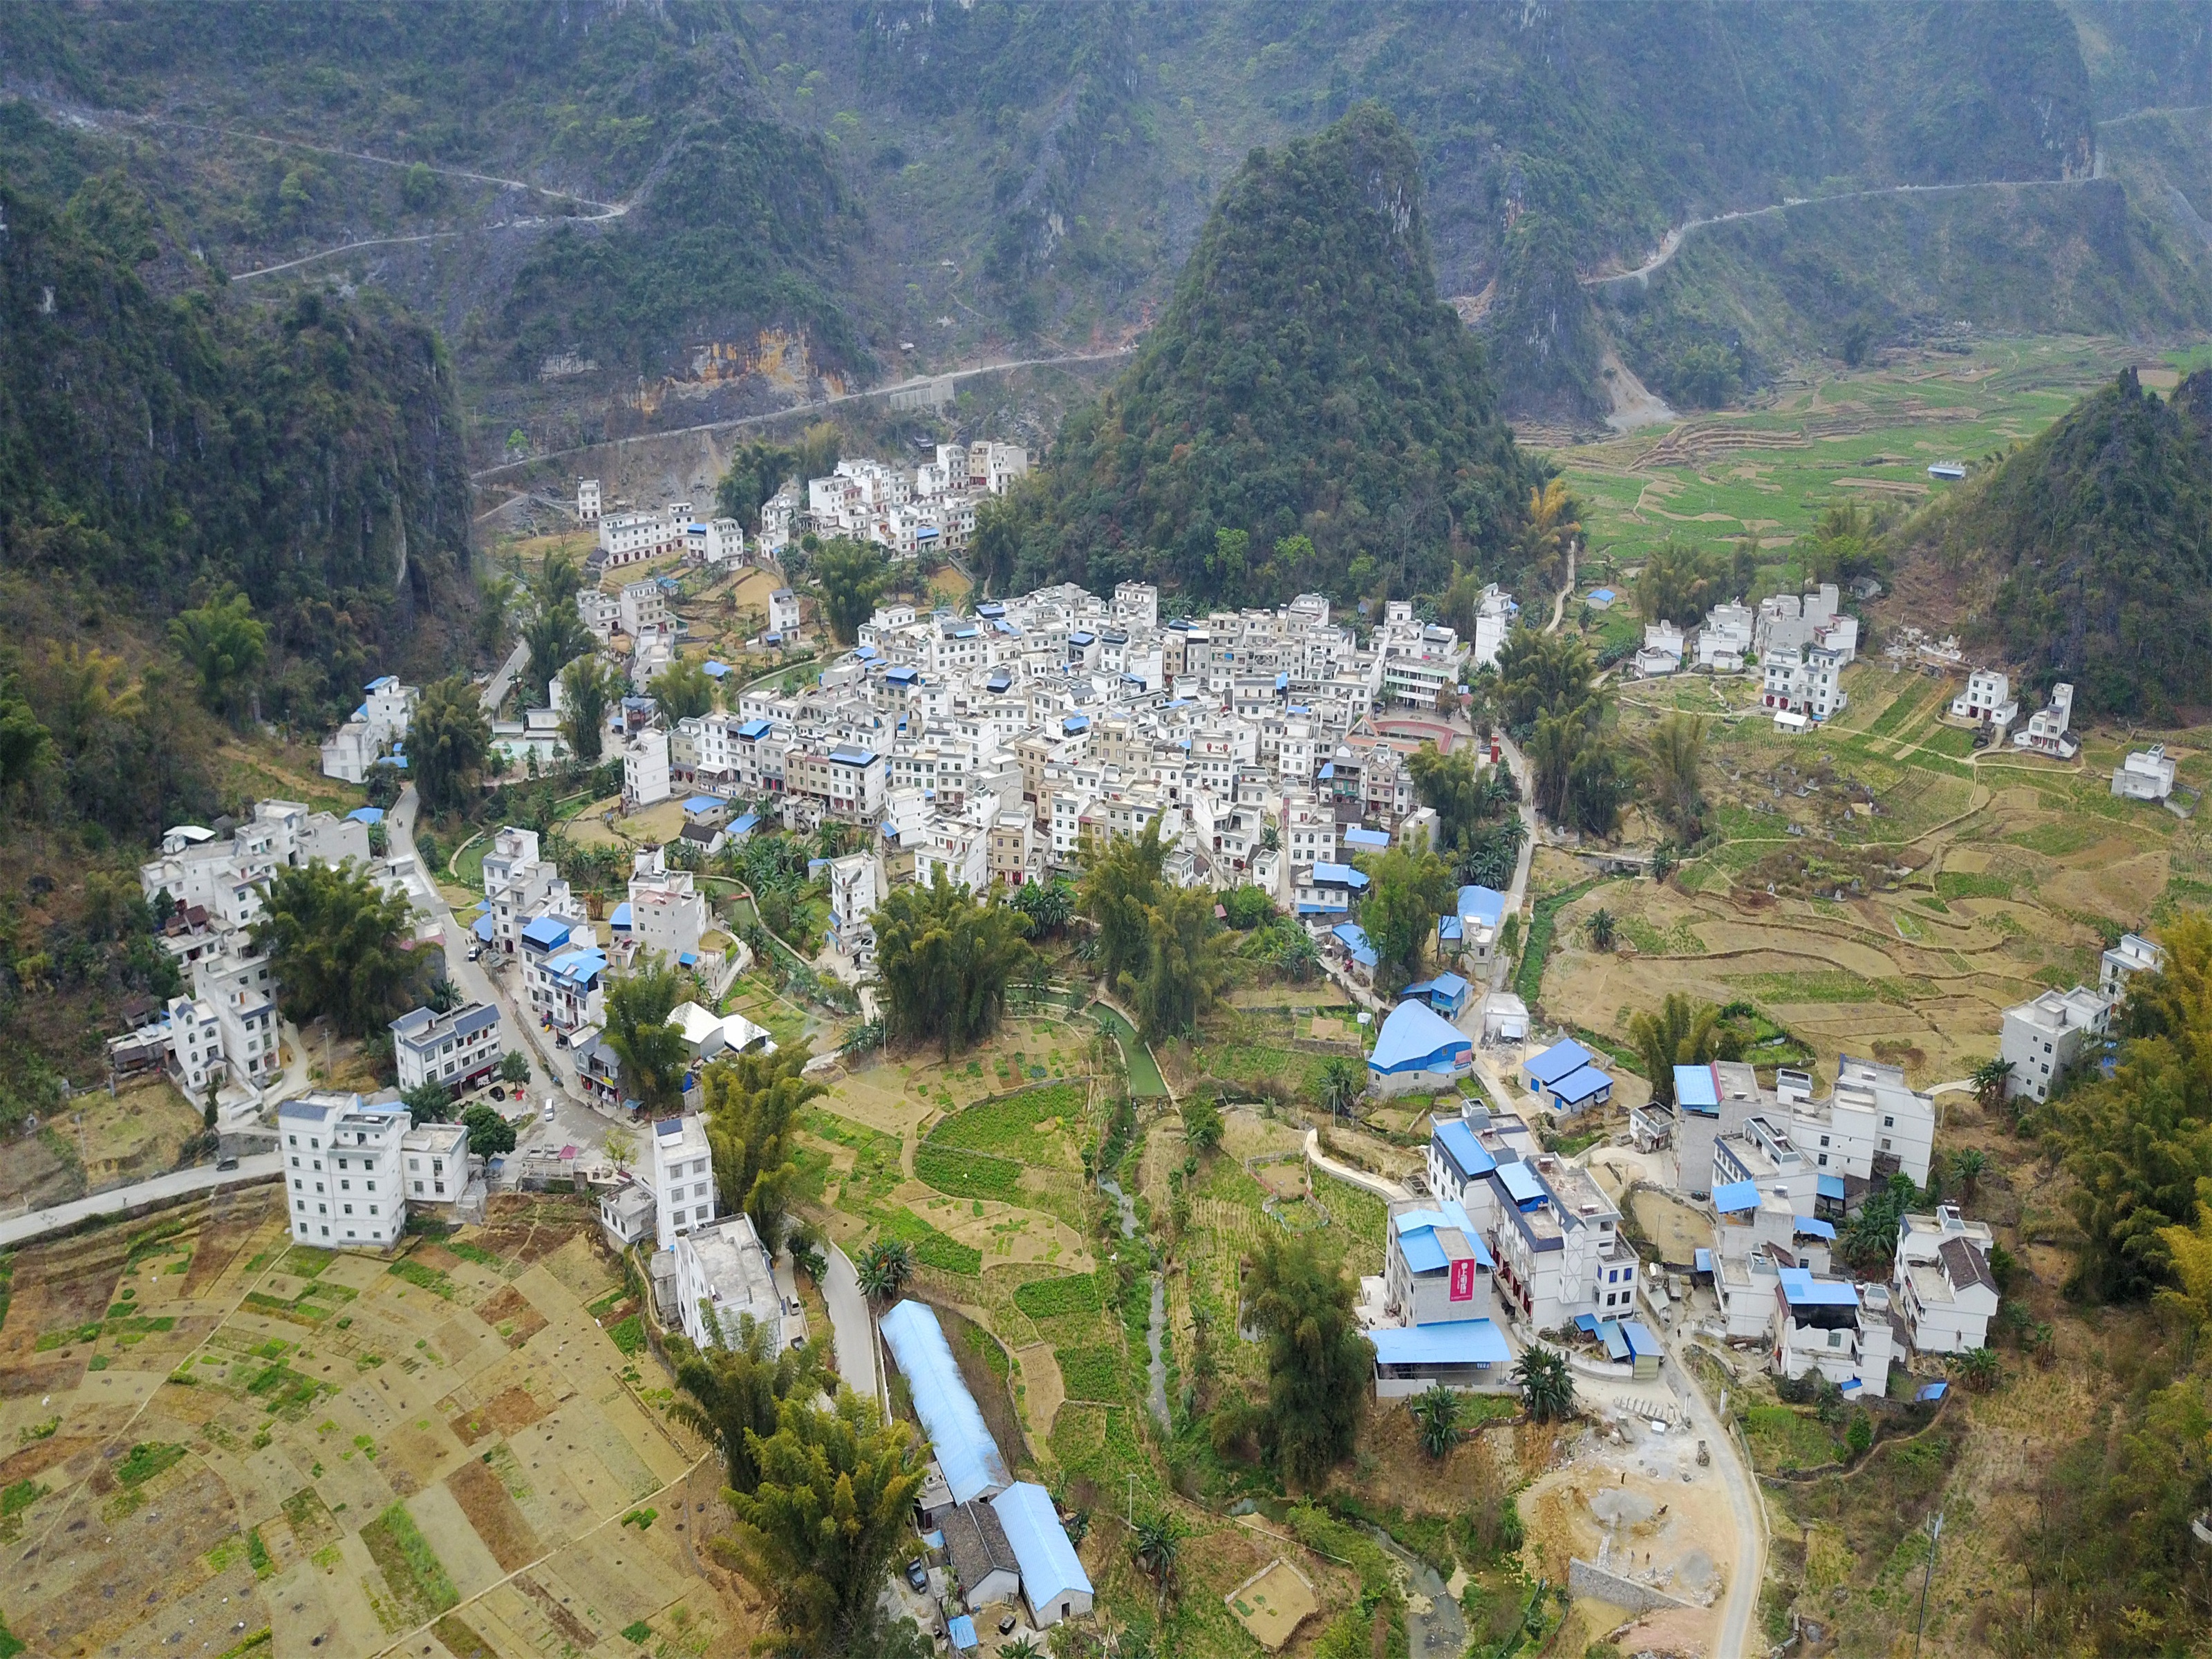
<point>918,514</point>
<point>219,1036</point>
<point>987,746</point>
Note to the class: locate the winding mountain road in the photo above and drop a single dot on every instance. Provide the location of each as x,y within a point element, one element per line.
<point>1671,243</point>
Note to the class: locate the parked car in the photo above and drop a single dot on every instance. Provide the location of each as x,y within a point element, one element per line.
<point>549,1109</point>
<point>917,1575</point>
<point>226,1164</point>
<point>497,1092</point>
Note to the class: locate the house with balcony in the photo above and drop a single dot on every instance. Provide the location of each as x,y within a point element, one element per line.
<point>1843,1330</point>
<point>1944,1288</point>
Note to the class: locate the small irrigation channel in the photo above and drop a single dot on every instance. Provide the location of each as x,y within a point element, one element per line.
<point>1145,1082</point>
<point>1156,1392</point>
<point>1438,1629</point>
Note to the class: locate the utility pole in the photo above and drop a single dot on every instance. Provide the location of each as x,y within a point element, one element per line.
<point>1934,1537</point>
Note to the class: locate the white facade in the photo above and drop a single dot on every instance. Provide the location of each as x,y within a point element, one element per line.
<point>1988,696</point>
<point>1839,1329</point>
<point>723,1276</point>
<point>783,612</point>
<point>1943,1287</point>
<point>341,1171</point>
<point>2049,730</point>
<point>1806,681</point>
<point>633,537</point>
<point>2133,955</point>
<point>1873,1115</point>
<point>2046,1037</point>
<point>458,1050</point>
<point>1725,639</point>
<point>682,1178</point>
<point>645,768</point>
<point>435,1163</point>
<point>587,500</point>
<point>2145,774</point>
<point>668,914</point>
<point>374,731</point>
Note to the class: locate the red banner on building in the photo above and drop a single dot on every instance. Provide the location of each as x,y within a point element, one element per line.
<point>1462,1280</point>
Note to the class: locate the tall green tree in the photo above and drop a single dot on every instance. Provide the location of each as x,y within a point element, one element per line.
<point>1185,964</point>
<point>1436,1409</point>
<point>684,691</point>
<point>1676,747</point>
<point>735,1387</point>
<point>820,1528</point>
<point>1681,1033</point>
<point>884,1269</point>
<point>1049,905</point>
<point>225,648</point>
<point>851,576</point>
<point>338,944</point>
<point>24,740</point>
<point>1120,883</point>
<point>1408,888</point>
<point>1319,1366</point>
<point>1547,1387</point>
<point>556,636</point>
<point>1541,674</point>
<point>652,1051</point>
<point>1680,583</point>
<point>589,688</point>
<point>490,1135</point>
<point>756,470</point>
<point>447,743</point>
<point>751,1104</point>
<point>944,961</point>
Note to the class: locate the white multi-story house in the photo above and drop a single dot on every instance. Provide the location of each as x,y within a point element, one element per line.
<point>856,891</point>
<point>714,543</point>
<point>1803,681</point>
<point>2047,1036</point>
<point>235,986</point>
<point>520,886</point>
<point>601,611</point>
<point>1661,654</point>
<point>435,1163</point>
<point>587,500</point>
<point>1724,640</point>
<point>633,538</point>
<point>2145,774</point>
<point>374,730</point>
<point>225,876</point>
<point>1557,1242</point>
<point>846,778</point>
<point>668,916</point>
<point>1493,620</point>
<point>2133,955</point>
<point>1831,1326</point>
<point>1309,833</point>
<point>1874,1124</point>
<point>642,608</point>
<point>1945,1289</point>
<point>723,1277</point>
<point>457,1050</point>
<point>682,1178</point>
<point>343,1184</point>
<point>564,974</point>
<point>783,612</point>
<point>1988,696</point>
<point>1436,1325</point>
<point>645,768</point>
<point>2049,729</point>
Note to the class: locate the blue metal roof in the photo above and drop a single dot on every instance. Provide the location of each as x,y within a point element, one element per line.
<point>704,804</point>
<point>1829,1186</point>
<point>851,754</point>
<point>1342,875</point>
<point>1520,1184</point>
<point>1416,1038</point>
<point>546,932</point>
<point>1450,984</point>
<point>1374,839</point>
<point>620,921</point>
<point>745,825</point>
<point>961,1631</point>
<point>754,729</point>
<point>1603,593</point>
<point>1449,928</point>
<point>1697,1089</point>
<point>1933,1391</point>
<point>1640,1340</point>
<point>1421,1225</point>
<point>1810,1227</point>
<point>1563,1057</point>
<point>482,928</point>
<point>1049,1566</point>
<point>1800,1289</point>
<point>1483,904</point>
<point>1460,1145</point>
<point>1704,1261</point>
<point>366,814</point>
<point>1616,1345</point>
<point>1736,1195</point>
<point>1583,1083</point>
<point>1456,1342</point>
<point>963,1446</point>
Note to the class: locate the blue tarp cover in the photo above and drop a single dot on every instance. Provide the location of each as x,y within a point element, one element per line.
<point>1813,1228</point>
<point>1800,1289</point>
<point>1460,1342</point>
<point>1829,1186</point>
<point>1520,1183</point>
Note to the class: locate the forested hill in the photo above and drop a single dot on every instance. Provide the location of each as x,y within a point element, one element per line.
<point>163,439</point>
<point>810,192</point>
<point>1305,400</point>
<point>2091,549</point>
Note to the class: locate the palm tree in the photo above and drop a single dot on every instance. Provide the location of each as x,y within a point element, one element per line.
<point>1550,523</point>
<point>1601,930</point>
<point>1438,1411</point>
<point>1343,1080</point>
<point>1978,1369</point>
<point>1024,1646</point>
<point>884,1268</point>
<point>1155,1545</point>
<point>1547,1388</point>
<point>1677,743</point>
<point>1968,1165</point>
<point>1990,1079</point>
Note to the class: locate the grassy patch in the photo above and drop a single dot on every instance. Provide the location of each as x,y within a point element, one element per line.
<point>286,1392</point>
<point>49,1340</point>
<point>1008,1125</point>
<point>410,1569</point>
<point>1965,885</point>
<point>14,1499</point>
<point>964,1174</point>
<point>432,1279</point>
<point>1091,1373</point>
<point>147,1460</point>
<point>1785,1438</point>
<point>256,1554</point>
<point>642,1519</point>
<point>932,1248</point>
<point>1053,1298</point>
<point>1543,924</point>
<point>1821,985</point>
<point>628,1335</point>
<point>638,1632</point>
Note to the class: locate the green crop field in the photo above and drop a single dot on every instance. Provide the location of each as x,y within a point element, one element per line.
<point>1866,436</point>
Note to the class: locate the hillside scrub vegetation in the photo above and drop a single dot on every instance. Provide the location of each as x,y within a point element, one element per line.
<point>2088,549</point>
